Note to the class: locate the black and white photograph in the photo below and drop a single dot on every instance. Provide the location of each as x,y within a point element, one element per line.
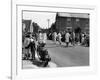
<point>50,40</point>
<point>55,39</point>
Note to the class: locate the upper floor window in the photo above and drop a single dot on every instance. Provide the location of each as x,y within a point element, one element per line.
<point>77,20</point>
<point>68,19</point>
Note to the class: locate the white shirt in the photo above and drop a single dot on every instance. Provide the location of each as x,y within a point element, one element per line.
<point>40,37</point>
<point>67,35</point>
<point>59,35</point>
<point>44,37</point>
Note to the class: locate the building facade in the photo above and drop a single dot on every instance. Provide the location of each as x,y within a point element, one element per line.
<point>77,22</point>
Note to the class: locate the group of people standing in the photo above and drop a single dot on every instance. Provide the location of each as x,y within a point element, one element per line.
<point>70,37</point>
<point>31,43</point>
<point>58,37</point>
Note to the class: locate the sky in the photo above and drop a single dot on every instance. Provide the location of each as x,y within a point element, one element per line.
<point>41,18</point>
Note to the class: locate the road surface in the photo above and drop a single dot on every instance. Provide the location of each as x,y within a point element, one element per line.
<point>68,56</point>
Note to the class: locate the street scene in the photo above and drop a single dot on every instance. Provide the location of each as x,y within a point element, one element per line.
<point>51,40</point>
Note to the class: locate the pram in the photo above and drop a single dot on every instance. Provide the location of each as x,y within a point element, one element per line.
<point>43,55</point>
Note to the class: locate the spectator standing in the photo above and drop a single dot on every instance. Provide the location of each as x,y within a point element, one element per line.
<point>40,37</point>
<point>59,38</point>
<point>44,38</point>
<point>55,36</point>
<point>73,38</point>
<point>67,36</point>
<point>32,47</point>
<point>83,38</point>
<point>26,51</point>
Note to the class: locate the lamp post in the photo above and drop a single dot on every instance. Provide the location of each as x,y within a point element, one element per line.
<point>48,22</point>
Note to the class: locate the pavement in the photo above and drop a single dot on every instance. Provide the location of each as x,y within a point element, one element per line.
<point>62,56</point>
<point>27,64</point>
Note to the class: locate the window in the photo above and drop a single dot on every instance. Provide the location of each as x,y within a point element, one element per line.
<point>77,20</point>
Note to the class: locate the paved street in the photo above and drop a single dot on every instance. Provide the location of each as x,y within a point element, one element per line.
<point>62,56</point>
<point>67,57</point>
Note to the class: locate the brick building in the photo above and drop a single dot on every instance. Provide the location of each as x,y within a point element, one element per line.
<point>72,22</point>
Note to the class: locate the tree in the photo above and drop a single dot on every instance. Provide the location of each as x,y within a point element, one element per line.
<point>53,27</point>
<point>35,27</point>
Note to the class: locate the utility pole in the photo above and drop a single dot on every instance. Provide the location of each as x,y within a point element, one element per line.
<point>48,22</point>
